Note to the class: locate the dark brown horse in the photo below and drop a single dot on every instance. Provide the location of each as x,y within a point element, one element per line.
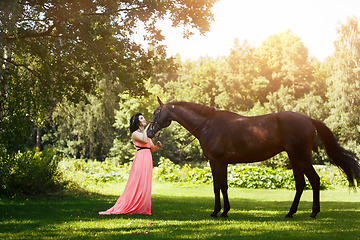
<point>227,138</point>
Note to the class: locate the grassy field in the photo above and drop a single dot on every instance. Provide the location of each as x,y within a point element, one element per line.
<point>180,211</point>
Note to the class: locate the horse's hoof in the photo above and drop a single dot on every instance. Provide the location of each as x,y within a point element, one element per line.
<point>224,216</point>
<point>289,216</point>
<point>213,215</point>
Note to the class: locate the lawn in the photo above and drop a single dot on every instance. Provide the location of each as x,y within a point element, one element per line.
<point>180,211</point>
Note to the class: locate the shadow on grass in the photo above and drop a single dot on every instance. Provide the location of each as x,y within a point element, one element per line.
<point>174,217</point>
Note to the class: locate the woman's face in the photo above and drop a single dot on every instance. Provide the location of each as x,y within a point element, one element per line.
<point>142,121</point>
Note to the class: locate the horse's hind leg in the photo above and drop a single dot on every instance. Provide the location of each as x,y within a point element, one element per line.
<point>224,190</point>
<point>300,184</point>
<point>314,180</point>
<point>299,169</point>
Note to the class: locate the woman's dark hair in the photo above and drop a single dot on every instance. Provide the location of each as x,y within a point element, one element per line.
<point>134,122</point>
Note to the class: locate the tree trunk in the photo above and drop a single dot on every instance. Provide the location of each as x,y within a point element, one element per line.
<point>4,75</point>
<point>181,156</point>
<point>38,139</point>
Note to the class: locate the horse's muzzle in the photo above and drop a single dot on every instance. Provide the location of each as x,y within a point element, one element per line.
<point>150,132</point>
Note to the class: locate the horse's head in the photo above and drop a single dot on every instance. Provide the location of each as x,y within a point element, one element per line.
<point>162,119</point>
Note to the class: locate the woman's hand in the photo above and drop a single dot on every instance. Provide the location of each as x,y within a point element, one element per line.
<point>155,147</point>
<point>141,138</point>
<point>141,129</point>
<point>147,126</point>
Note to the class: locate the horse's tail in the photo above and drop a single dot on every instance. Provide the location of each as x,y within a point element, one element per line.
<point>347,161</point>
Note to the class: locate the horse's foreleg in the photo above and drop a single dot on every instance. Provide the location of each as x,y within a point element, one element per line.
<point>300,184</point>
<point>215,168</point>
<point>224,190</point>
<point>217,207</point>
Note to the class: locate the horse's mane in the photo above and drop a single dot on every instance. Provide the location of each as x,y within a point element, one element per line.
<point>202,109</point>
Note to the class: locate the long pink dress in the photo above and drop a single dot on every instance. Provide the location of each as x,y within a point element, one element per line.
<point>136,198</point>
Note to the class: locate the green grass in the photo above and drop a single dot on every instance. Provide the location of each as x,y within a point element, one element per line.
<point>180,211</point>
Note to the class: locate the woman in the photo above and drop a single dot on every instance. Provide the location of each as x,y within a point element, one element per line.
<point>136,198</point>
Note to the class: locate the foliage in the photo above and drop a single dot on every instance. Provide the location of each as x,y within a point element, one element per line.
<point>240,175</point>
<point>95,170</point>
<point>212,82</point>
<point>332,174</point>
<point>276,76</point>
<point>344,84</point>
<point>311,105</point>
<point>280,160</point>
<point>29,172</point>
<point>246,176</point>
<point>57,53</point>
<point>280,100</point>
<point>16,128</point>
<point>194,82</point>
<point>59,49</point>
<point>238,79</point>
<point>256,110</point>
<point>284,61</point>
<point>86,130</point>
<point>168,171</point>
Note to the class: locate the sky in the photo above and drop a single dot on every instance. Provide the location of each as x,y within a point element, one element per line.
<point>314,21</point>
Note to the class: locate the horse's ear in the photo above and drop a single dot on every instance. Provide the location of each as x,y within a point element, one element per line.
<point>160,102</point>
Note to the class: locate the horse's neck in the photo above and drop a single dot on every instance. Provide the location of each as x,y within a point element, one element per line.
<point>189,119</point>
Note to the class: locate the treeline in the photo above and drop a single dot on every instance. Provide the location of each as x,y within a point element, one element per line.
<point>279,75</point>
<point>63,64</point>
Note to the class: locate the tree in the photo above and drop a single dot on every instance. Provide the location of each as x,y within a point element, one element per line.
<point>56,49</point>
<point>237,77</point>
<point>344,84</point>
<point>283,60</point>
<point>280,101</point>
<point>86,130</point>
<point>311,105</point>
<point>322,71</point>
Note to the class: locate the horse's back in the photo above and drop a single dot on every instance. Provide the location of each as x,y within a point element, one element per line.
<point>235,138</point>
<point>238,138</point>
<point>295,125</point>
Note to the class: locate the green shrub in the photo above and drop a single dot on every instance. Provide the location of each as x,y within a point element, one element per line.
<point>5,169</point>
<point>202,175</point>
<point>169,171</point>
<point>246,176</point>
<point>332,174</point>
<point>280,160</point>
<point>239,175</point>
<point>29,172</point>
<point>97,171</point>
<point>266,177</point>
